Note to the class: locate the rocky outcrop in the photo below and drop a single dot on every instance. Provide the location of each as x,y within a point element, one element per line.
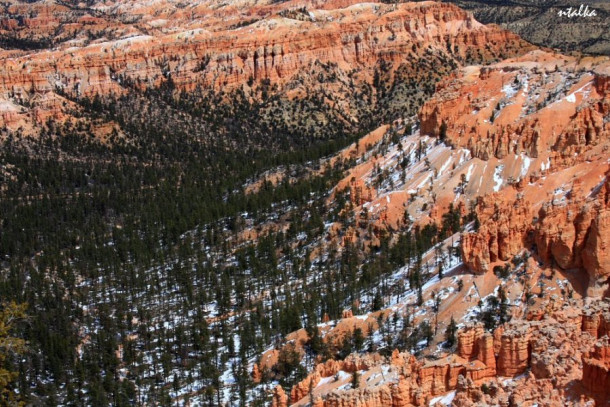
<point>515,117</point>
<point>502,234</point>
<point>280,399</point>
<point>571,232</point>
<point>514,107</point>
<point>330,368</point>
<point>596,369</point>
<point>256,374</point>
<point>595,322</point>
<point>544,357</point>
<point>475,343</point>
<point>514,354</point>
<point>596,252</point>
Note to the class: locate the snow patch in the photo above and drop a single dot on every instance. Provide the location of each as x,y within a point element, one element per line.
<point>470,171</point>
<point>509,91</point>
<point>445,400</point>
<point>525,166</point>
<point>498,180</point>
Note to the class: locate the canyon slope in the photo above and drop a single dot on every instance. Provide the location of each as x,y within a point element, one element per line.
<point>525,145</point>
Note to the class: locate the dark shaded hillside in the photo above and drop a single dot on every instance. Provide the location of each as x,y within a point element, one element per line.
<point>538,22</point>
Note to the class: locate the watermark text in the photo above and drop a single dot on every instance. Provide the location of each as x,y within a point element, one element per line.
<point>582,11</point>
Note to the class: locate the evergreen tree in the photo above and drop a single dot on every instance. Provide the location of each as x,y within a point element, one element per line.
<point>450,333</point>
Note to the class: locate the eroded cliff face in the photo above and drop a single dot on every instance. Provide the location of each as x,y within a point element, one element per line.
<point>289,46</point>
<point>596,369</point>
<point>570,231</point>
<point>525,361</point>
<point>540,104</point>
<point>547,115</point>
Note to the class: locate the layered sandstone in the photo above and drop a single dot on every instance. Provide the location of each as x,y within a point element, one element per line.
<point>280,44</point>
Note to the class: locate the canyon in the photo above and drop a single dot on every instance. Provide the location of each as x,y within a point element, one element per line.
<point>324,203</point>
<point>548,199</point>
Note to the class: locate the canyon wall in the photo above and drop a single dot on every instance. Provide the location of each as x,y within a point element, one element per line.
<point>282,44</point>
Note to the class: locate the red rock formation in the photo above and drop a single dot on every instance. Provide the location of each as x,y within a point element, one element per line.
<point>489,110</point>
<point>596,369</point>
<point>572,234</point>
<point>514,354</point>
<point>596,253</point>
<point>502,234</point>
<point>347,313</point>
<point>576,235</point>
<point>551,349</point>
<point>595,322</point>
<point>256,374</point>
<point>498,113</point>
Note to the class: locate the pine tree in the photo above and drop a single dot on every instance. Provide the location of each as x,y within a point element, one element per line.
<point>426,331</point>
<point>355,380</point>
<point>358,339</point>
<point>450,333</point>
<point>377,301</point>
